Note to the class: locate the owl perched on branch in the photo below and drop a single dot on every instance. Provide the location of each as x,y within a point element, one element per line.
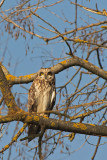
<point>41,97</point>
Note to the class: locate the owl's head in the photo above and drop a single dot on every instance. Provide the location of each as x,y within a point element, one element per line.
<point>47,74</point>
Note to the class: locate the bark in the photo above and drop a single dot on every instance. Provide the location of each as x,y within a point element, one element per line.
<point>48,123</point>
<point>75,61</point>
<point>6,92</point>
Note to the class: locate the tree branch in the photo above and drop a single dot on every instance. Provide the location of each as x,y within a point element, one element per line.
<point>1,3</point>
<point>75,61</point>
<point>6,92</point>
<point>14,138</point>
<point>104,13</point>
<point>81,128</point>
<point>79,29</point>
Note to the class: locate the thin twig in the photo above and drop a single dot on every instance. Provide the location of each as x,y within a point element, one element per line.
<point>99,61</point>
<point>96,148</point>
<point>14,138</point>
<point>1,100</point>
<point>104,13</point>
<point>75,15</point>
<point>1,3</point>
<point>64,38</point>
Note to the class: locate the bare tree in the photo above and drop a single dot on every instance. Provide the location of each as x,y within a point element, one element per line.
<point>77,34</point>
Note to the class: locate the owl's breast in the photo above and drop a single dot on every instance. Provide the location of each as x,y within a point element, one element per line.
<point>44,100</point>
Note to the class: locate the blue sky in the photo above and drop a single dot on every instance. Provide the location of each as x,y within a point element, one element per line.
<point>14,57</point>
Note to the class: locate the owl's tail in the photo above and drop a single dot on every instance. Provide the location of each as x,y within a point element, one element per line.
<point>32,131</point>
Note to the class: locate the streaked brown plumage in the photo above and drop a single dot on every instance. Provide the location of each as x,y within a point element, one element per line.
<point>41,97</point>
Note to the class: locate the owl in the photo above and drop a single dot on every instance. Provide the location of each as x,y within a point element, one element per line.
<point>41,97</point>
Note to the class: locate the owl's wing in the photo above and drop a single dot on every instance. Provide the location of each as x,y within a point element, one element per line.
<point>53,99</point>
<point>32,101</point>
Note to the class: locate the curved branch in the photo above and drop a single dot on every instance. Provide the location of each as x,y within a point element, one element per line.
<point>75,61</point>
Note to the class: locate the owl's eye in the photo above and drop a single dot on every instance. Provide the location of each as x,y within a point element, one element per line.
<point>41,73</point>
<point>49,73</point>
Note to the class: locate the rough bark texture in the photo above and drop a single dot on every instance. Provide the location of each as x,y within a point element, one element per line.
<point>48,123</point>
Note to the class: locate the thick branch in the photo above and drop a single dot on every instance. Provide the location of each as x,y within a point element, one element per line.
<point>21,79</point>
<point>75,61</point>
<point>6,92</point>
<point>81,128</point>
